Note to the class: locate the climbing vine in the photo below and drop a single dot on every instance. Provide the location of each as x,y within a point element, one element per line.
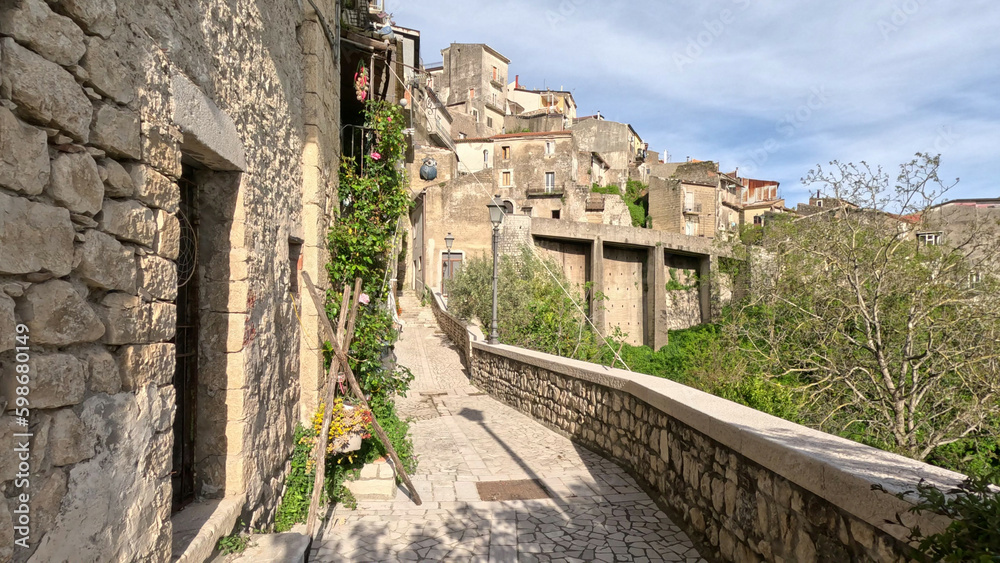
<point>373,196</point>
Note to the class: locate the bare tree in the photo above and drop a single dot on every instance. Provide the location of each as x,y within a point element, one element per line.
<point>888,325</point>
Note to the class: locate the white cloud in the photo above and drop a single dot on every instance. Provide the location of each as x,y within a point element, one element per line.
<point>898,76</point>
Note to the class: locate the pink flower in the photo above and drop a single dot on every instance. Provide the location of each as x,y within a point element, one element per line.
<point>364,299</point>
<point>376,155</point>
<point>390,120</point>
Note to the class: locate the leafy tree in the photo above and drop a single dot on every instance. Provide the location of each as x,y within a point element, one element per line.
<point>534,311</point>
<point>887,336</point>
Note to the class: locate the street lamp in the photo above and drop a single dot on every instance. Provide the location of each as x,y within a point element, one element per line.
<point>448,241</point>
<point>496,208</point>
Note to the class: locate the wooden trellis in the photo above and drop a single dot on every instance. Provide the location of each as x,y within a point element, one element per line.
<point>340,364</point>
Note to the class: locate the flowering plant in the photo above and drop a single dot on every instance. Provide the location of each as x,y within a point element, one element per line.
<point>346,421</point>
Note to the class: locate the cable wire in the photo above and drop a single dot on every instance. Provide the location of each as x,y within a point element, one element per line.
<point>535,252</point>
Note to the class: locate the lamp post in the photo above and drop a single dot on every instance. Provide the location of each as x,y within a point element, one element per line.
<point>496,208</point>
<point>448,241</point>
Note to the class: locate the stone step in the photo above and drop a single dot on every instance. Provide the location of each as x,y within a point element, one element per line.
<point>377,482</point>
<point>198,527</point>
<point>290,547</point>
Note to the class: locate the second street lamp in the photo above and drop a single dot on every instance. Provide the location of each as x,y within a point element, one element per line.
<point>446,273</point>
<point>496,208</point>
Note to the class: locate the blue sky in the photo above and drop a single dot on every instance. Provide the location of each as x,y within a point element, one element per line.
<point>771,87</point>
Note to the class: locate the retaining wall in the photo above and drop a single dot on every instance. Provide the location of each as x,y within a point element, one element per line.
<point>749,486</point>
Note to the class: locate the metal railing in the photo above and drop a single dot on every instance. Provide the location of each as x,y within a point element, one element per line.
<point>356,142</point>
<point>693,208</point>
<point>546,191</point>
<point>358,13</point>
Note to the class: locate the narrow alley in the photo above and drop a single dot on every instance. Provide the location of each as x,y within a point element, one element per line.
<point>595,511</point>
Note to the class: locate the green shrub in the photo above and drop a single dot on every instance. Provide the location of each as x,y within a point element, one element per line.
<point>631,197</point>
<point>534,310</point>
<point>294,507</point>
<point>396,429</point>
<point>974,533</point>
<point>607,190</point>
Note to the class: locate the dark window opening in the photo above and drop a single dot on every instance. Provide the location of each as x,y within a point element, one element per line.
<point>186,346</point>
<point>555,214</point>
<point>294,264</point>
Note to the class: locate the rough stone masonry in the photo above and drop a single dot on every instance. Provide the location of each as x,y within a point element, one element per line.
<point>115,117</point>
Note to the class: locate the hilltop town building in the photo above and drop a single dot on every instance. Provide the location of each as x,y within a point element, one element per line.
<point>473,83</point>
<point>617,143</point>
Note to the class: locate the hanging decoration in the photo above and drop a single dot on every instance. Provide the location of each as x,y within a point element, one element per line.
<point>428,171</point>
<point>361,82</point>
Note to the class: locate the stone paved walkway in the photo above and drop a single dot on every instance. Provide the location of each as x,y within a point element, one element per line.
<point>462,437</point>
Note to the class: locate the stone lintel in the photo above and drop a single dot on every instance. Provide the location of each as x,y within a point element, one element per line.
<point>209,134</point>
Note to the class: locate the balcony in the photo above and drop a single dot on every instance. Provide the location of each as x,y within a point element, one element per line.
<point>546,191</point>
<point>495,106</point>
<point>357,14</point>
<point>692,209</point>
<point>595,202</point>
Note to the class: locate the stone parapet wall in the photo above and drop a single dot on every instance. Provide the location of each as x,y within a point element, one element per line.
<point>750,487</point>
<point>456,329</point>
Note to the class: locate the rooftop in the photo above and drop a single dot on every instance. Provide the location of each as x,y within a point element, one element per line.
<point>486,47</point>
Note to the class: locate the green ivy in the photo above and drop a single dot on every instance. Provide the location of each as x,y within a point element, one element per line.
<point>396,429</point>
<point>373,196</point>
<point>294,508</point>
<point>632,198</point>
<point>675,284</point>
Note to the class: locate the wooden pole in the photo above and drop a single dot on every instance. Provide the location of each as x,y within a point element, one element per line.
<point>330,388</point>
<point>342,356</point>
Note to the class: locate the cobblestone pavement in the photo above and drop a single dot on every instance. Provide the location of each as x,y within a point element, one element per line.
<point>596,511</point>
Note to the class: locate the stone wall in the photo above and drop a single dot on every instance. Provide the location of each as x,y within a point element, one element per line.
<point>666,205</point>
<point>103,105</point>
<point>625,288</point>
<point>749,487</point>
<point>454,327</point>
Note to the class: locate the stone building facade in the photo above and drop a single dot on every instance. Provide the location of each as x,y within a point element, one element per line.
<point>474,83</point>
<point>618,143</point>
<point>166,169</point>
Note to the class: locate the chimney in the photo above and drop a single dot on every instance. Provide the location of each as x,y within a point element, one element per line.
<point>517,81</point>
